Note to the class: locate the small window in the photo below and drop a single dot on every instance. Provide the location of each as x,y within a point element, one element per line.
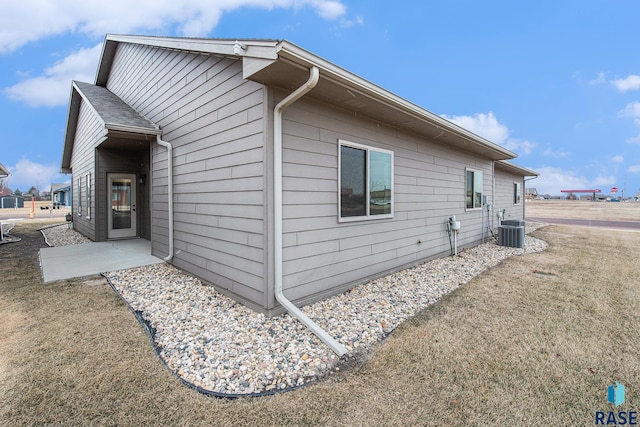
<point>366,182</point>
<point>473,188</point>
<point>88,195</point>
<point>79,195</point>
<point>517,193</point>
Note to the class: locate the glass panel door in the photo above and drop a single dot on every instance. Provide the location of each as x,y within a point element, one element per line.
<point>122,205</point>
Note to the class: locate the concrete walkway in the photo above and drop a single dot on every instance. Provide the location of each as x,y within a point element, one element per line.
<point>66,262</point>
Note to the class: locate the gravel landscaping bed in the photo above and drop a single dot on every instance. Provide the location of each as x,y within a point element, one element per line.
<point>62,235</point>
<point>224,348</point>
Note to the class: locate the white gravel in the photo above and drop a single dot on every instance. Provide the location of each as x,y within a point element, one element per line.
<point>62,235</point>
<point>223,347</point>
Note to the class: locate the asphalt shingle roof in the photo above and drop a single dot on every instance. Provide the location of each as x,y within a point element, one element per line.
<point>113,110</point>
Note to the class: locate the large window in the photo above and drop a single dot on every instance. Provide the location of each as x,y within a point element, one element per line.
<point>474,189</point>
<point>366,182</point>
<point>517,193</point>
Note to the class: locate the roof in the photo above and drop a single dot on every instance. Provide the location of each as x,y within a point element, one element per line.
<point>55,188</point>
<point>282,64</point>
<point>117,116</point>
<point>515,169</point>
<point>4,172</point>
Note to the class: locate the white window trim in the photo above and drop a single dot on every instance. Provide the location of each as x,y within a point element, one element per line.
<point>465,189</point>
<point>88,195</point>
<point>517,192</point>
<point>368,216</point>
<point>79,196</point>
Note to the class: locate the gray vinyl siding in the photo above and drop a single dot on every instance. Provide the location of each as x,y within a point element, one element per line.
<point>504,195</point>
<point>215,121</point>
<point>323,256</point>
<point>89,133</point>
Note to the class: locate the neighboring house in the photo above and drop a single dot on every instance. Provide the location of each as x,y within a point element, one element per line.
<point>61,194</point>
<point>260,167</point>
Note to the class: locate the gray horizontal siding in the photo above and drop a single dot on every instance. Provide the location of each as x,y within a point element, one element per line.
<point>214,120</point>
<point>322,255</point>
<point>89,133</point>
<point>504,195</point>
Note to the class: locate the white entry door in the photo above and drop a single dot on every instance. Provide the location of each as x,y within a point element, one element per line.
<point>122,203</point>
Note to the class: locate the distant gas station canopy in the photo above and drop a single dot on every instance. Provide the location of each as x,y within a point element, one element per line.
<point>581,191</point>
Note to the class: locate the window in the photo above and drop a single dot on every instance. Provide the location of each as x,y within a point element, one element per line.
<point>474,189</point>
<point>88,195</point>
<point>79,195</point>
<point>366,182</point>
<point>517,194</point>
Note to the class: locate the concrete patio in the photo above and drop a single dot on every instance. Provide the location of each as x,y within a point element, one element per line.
<point>66,262</point>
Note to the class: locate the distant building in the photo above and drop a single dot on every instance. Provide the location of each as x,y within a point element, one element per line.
<point>530,193</point>
<point>61,194</point>
<point>11,201</point>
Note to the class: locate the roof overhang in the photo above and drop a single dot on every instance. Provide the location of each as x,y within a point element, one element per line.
<point>515,169</point>
<point>284,65</point>
<point>4,172</point>
<point>119,119</point>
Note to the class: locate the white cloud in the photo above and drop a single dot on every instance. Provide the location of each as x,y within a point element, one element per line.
<point>52,89</point>
<point>552,180</point>
<point>556,153</point>
<point>631,82</point>
<point>600,79</point>
<point>329,9</point>
<point>601,181</point>
<point>617,159</point>
<point>30,20</point>
<point>634,169</point>
<point>634,140</point>
<point>632,110</point>
<point>27,173</point>
<point>488,127</point>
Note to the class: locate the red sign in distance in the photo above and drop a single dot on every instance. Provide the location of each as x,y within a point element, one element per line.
<point>614,189</point>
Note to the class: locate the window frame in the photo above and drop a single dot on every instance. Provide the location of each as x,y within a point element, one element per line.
<point>368,149</point>
<point>88,195</point>
<point>79,196</point>
<point>517,193</point>
<point>473,191</point>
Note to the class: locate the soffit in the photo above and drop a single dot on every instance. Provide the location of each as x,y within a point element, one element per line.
<point>377,106</point>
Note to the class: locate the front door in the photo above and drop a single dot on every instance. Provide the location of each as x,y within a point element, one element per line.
<point>122,202</point>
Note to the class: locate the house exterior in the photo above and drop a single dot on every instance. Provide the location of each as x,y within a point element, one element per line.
<point>264,169</point>
<point>510,190</point>
<point>61,195</point>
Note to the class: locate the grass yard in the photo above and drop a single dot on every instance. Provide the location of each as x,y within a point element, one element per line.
<point>534,341</point>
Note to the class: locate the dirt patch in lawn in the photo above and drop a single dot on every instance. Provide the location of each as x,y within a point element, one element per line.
<point>534,341</point>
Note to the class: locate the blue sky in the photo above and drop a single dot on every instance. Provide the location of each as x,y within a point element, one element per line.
<point>557,82</point>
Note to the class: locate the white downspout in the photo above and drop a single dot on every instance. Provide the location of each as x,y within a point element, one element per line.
<point>277,201</point>
<point>169,148</point>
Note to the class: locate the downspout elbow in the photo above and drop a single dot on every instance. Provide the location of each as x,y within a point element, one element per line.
<point>169,148</point>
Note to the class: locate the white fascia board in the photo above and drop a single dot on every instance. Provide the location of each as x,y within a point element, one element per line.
<point>264,49</point>
<point>329,70</point>
<point>513,168</point>
<point>132,129</point>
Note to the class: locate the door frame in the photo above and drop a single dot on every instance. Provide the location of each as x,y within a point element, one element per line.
<point>122,233</point>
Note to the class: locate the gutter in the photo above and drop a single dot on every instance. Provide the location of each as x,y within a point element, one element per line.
<point>169,148</point>
<point>314,76</point>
